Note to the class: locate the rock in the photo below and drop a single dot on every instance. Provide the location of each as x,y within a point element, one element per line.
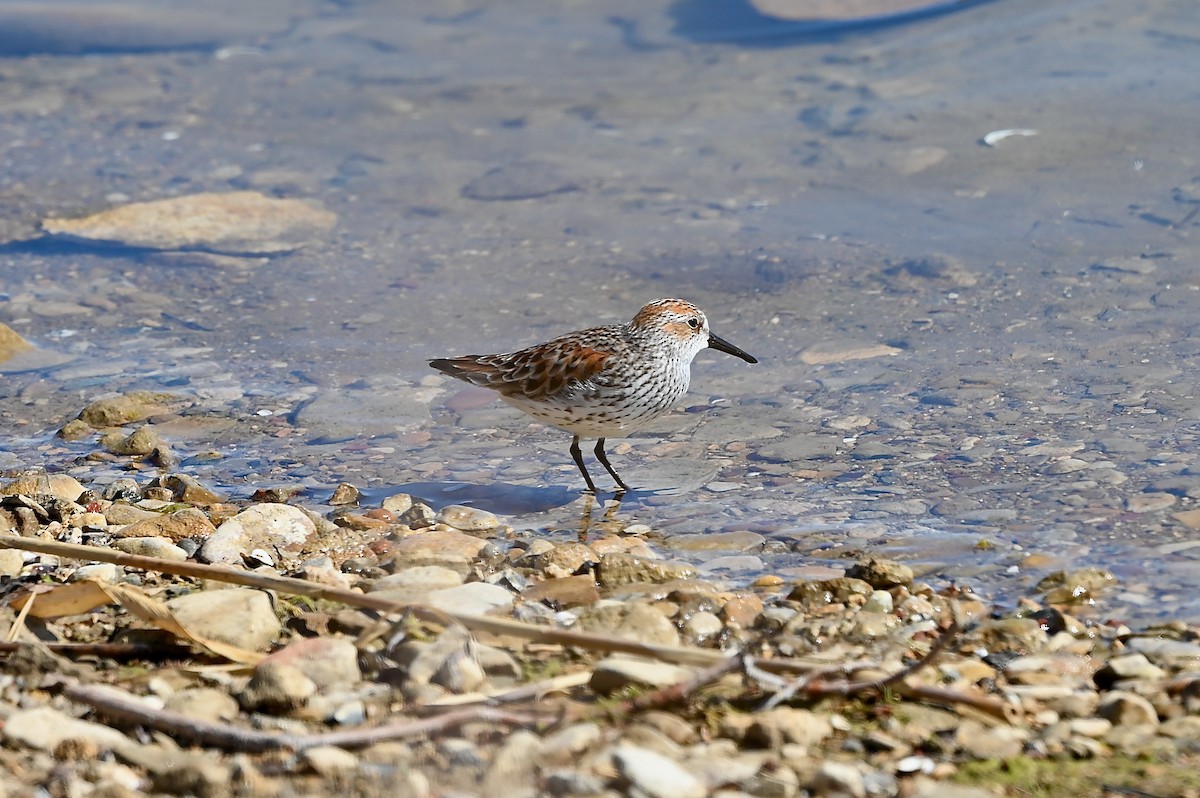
<point>567,560</point>
<point>565,744</point>
<point>186,489</point>
<point>880,573</point>
<point>473,598</point>
<point>702,628</point>
<point>203,703</point>
<point>839,778</point>
<point>271,527</point>
<point>513,768</point>
<point>618,672</point>
<point>330,662</point>
<point>329,761</point>
<point>127,408</point>
<point>60,486</point>
<point>75,430</point>
<point>618,568</point>
<point>11,561</point>
<point>1128,666</point>
<point>11,343</point>
<point>142,441</point>
<point>823,592</point>
<point>238,222</point>
<point>990,742</point>
<point>449,661</point>
<point>45,729</point>
<point>188,523</point>
<point>720,541</point>
<point>238,616</point>
<point>635,621</point>
<point>1127,709</point>
<point>345,494</point>
<point>1149,502</point>
<point>277,688</point>
<point>776,727</point>
<point>97,572</point>
<point>192,774</point>
<point>880,601</point>
<point>569,591</point>
<point>1063,587</point>
<point>519,180</point>
<point>467,519</point>
<point>397,503</point>
<point>446,548</point>
<point>414,583</point>
<point>418,516</point>
<point>656,776</point>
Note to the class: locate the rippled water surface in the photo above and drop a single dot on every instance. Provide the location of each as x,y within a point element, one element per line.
<point>978,353</point>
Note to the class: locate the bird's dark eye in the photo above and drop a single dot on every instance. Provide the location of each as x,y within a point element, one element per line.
<point>694,324</point>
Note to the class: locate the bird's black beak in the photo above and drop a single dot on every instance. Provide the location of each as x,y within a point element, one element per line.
<point>720,344</point>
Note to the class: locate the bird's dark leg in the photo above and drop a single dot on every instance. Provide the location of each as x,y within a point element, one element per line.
<point>603,458</point>
<point>578,455</point>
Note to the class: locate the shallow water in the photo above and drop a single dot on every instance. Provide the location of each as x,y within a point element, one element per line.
<point>506,172</point>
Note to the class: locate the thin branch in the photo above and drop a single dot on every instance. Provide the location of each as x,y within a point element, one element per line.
<point>117,705</point>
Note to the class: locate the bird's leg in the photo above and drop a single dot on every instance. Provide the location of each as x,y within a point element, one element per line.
<point>603,458</point>
<point>578,455</point>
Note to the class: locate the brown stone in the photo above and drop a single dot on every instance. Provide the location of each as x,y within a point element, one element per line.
<point>567,591</point>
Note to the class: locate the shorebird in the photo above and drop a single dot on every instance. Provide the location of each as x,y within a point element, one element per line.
<point>603,382</point>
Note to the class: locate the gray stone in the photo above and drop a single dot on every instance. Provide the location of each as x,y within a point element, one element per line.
<point>655,775</point>
<point>203,703</point>
<point>45,729</point>
<point>618,672</point>
<point>238,616</point>
<point>270,527</point>
<point>839,778</point>
<point>151,547</point>
<point>467,519</point>
<point>237,222</point>
<point>1127,709</point>
<point>276,687</point>
<point>473,598</point>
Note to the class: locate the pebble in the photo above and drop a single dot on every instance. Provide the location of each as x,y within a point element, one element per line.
<point>617,569</point>
<point>151,547</point>
<point>447,548</point>
<point>276,688</point>
<point>1127,709</point>
<point>45,729</point>
<point>179,525</point>
<point>473,598</point>
<point>880,573</point>
<point>330,662</point>
<point>117,411</point>
<point>11,562</point>
<point>273,527</point>
<point>619,672</point>
<point>635,621</point>
<point>655,775</point>
<point>839,778</point>
<point>203,703</point>
<point>565,592</point>
<point>238,616</point>
<point>237,223</point>
<point>467,519</point>
<point>60,486</point>
<point>98,572</point>
<point>329,761</point>
<point>140,442</point>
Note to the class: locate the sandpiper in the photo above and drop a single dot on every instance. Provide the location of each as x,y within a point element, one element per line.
<point>603,382</point>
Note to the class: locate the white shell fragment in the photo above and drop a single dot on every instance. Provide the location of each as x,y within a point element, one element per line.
<point>997,136</point>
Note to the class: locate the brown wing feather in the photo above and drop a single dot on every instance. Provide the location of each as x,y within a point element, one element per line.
<point>536,373</point>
